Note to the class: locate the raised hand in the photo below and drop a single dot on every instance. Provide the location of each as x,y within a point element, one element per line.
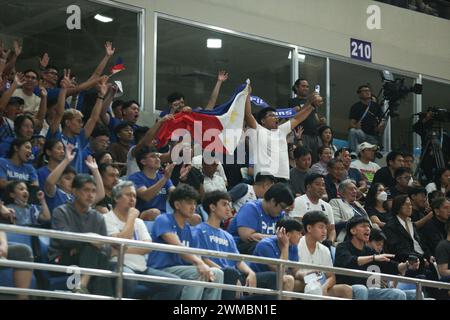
<point>43,91</point>
<point>19,78</point>
<point>66,82</point>
<point>70,152</point>
<point>168,170</point>
<point>222,76</point>
<point>167,117</point>
<point>44,60</point>
<point>102,85</point>
<point>40,196</point>
<point>133,213</point>
<point>91,163</point>
<point>109,49</point>
<point>298,132</point>
<point>282,237</point>
<point>185,171</point>
<point>17,48</point>
<point>3,53</point>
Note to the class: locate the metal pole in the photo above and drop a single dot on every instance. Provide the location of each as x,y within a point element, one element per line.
<point>119,283</point>
<point>280,273</point>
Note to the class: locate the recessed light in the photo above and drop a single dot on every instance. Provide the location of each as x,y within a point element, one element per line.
<point>101,18</point>
<point>214,43</point>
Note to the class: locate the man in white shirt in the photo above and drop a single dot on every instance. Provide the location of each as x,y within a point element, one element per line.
<point>32,101</point>
<point>312,201</point>
<point>268,139</point>
<point>123,222</point>
<point>311,251</point>
<point>365,164</point>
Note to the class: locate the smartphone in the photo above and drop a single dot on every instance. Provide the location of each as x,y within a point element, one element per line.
<point>317,89</point>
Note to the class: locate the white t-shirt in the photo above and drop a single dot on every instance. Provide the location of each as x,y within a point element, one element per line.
<point>432,187</point>
<point>321,255</point>
<point>215,183</point>
<point>368,170</point>
<point>132,166</point>
<point>197,163</point>
<point>249,196</point>
<point>303,205</point>
<point>31,102</point>
<point>114,225</point>
<point>270,151</point>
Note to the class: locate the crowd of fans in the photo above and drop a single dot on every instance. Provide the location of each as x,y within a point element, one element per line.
<point>74,158</point>
<point>438,8</point>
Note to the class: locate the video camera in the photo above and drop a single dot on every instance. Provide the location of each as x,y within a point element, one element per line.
<point>437,113</point>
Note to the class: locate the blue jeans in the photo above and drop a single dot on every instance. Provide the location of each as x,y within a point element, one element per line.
<point>361,292</point>
<point>357,136</point>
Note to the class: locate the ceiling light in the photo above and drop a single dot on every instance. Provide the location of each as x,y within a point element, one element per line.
<point>214,43</point>
<point>101,18</point>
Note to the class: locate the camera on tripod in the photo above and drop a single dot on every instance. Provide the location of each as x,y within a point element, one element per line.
<point>438,114</point>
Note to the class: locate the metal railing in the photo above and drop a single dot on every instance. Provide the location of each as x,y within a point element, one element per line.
<point>120,275</point>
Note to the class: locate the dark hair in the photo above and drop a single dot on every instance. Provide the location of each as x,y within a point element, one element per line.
<point>82,179</point>
<point>68,170</point>
<point>301,151</point>
<point>309,179</point>
<point>141,154</point>
<point>31,70</point>
<point>398,203</point>
<point>10,189</point>
<point>100,131</point>
<point>15,101</point>
<point>339,151</point>
<point>392,156</point>
<point>183,192</point>
<point>263,112</point>
<point>261,178</point>
<point>48,146</point>
<point>377,235</point>
<point>20,120</point>
<point>174,96</point>
<point>214,197</point>
<point>139,133</point>
<point>416,190</point>
<point>332,163</point>
<point>129,104</point>
<point>98,156</point>
<point>122,125</point>
<point>17,143</point>
<point>322,129</point>
<point>435,194</point>
<point>353,222</point>
<point>322,149</point>
<point>371,198</point>
<point>363,86</point>
<point>296,84</point>
<point>438,202</point>
<point>400,171</point>
<point>313,217</point>
<point>280,192</point>
<point>408,155</point>
<point>437,177</point>
<point>290,225</point>
<point>104,166</point>
<point>49,66</point>
<point>117,103</point>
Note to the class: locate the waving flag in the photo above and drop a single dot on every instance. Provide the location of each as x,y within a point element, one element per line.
<point>220,128</point>
<point>119,66</point>
<point>282,113</point>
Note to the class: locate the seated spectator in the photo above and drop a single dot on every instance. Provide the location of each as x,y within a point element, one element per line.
<point>210,236</point>
<point>376,203</point>
<point>443,257</point>
<point>79,217</point>
<point>212,180</point>
<point>131,111</point>
<point>325,156</point>
<point>23,129</point>
<point>26,214</point>
<point>19,252</point>
<point>346,207</point>
<point>153,188</point>
<point>282,246</point>
<point>366,154</point>
<point>326,139</point>
<point>104,157</point>
<point>385,175</point>
<point>123,222</point>
<point>10,109</point>
<point>355,254</point>
<point>302,156</point>
<point>52,154</point>
<point>408,161</point>
<point>98,144</point>
<point>351,173</point>
<point>434,230</point>
<point>334,177</point>
<point>110,178</point>
<point>15,167</point>
<point>422,212</point>
<point>243,193</point>
<point>312,251</point>
<point>312,201</point>
<point>197,162</point>
<point>173,229</point>
<point>441,182</point>
<point>402,178</point>
<point>256,220</point>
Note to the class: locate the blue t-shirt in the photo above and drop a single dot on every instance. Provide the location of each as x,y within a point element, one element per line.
<point>58,199</point>
<point>215,239</point>
<point>43,174</point>
<point>9,171</point>
<point>79,142</point>
<point>113,122</point>
<point>26,216</point>
<point>251,215</point>
<point>268,248</point>
<point>5,145</point>
<point>166,223</point>
<point>159,201</point>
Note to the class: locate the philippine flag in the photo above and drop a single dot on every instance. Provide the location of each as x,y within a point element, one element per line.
<point>219,129</point>
<point>119,66</point>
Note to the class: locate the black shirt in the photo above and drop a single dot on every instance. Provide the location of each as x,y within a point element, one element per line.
<point>310,124</point>
<point>383,216</point>
<point>432,233</point>
<point>347,257</point>
<point>370,121</point>
<point>385,177</point>
<point>443,253</point>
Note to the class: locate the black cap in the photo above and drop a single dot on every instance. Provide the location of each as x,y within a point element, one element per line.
<point>354,222</point>
<point>417,190</point>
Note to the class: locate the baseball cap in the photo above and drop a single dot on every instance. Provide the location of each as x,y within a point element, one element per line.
<point>366,145</point>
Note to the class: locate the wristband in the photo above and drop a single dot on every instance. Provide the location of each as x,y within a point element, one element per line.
<point>373,257</point>
<point>101,98</point>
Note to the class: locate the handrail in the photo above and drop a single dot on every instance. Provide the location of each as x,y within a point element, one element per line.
<point>91,238</point>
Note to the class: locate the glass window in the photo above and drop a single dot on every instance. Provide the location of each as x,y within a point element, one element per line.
<point>436,95</point>
<point>41,27</point>
<point>185,64</point>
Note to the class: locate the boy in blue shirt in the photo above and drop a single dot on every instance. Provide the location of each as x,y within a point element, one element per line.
<point>256,220</point>
<point>173,229</point>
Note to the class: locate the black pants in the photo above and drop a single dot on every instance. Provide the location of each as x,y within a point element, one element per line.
<point>267,280</point>
<point>246,247</point>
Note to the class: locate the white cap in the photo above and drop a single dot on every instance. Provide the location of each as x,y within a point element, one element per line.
<point>366,145</point>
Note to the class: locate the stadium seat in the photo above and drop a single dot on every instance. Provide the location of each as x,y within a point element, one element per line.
<point>340,143</point>
<point>58,282</point>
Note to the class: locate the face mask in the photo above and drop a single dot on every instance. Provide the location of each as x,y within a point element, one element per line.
<point>382,196</point>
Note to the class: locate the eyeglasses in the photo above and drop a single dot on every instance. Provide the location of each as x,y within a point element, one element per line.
<point>30,77</point>
<point>54,73</point>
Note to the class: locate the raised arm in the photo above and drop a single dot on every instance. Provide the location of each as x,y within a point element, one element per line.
<point>314,100</point>
<point>42,108</point>
<point>149,193</point>
<point>92,165</point>
<point>55,175</point>
<point>249,118</point>
<point>102,88</point>
<point>12,62</point>
<point>45,212</point>
<point>221,78</point>
<point>19,80</point>
<point>109,51</point>
<point>60,104</point>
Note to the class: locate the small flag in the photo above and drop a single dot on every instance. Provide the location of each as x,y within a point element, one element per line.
<point>119,66</point>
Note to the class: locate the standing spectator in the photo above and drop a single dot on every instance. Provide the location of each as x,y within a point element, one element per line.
<point>173,229</point>
<point>212,180</point>
<point>366,154</point>
<point>110,178</point>
<point>312,201</point>
<point>375,205</point>
<point>256,220</point>
<point>326,138</point>
<point>422,212</point>
<point>52,154</point>
<point>351,173</point>
<point>334,177</point>
<point>385,175</point>
<point>98,144</point>
<point>31,101</point>
<point>434,230</point>
<point>131,111</point>
<point>302,156</point>
<point>366,124</point>
<point>23,129</point>
<point>123,222</point>
<point>325,156</point>
<point>441,182</point>
<point>10,107</point>
<point>81,218</point>
<point>125,138</point>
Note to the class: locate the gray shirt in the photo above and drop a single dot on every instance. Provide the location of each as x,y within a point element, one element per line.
<point>297,180</point>
<point>66,218</point>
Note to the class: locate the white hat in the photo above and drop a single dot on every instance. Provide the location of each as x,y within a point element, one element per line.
<point>366,145</point>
